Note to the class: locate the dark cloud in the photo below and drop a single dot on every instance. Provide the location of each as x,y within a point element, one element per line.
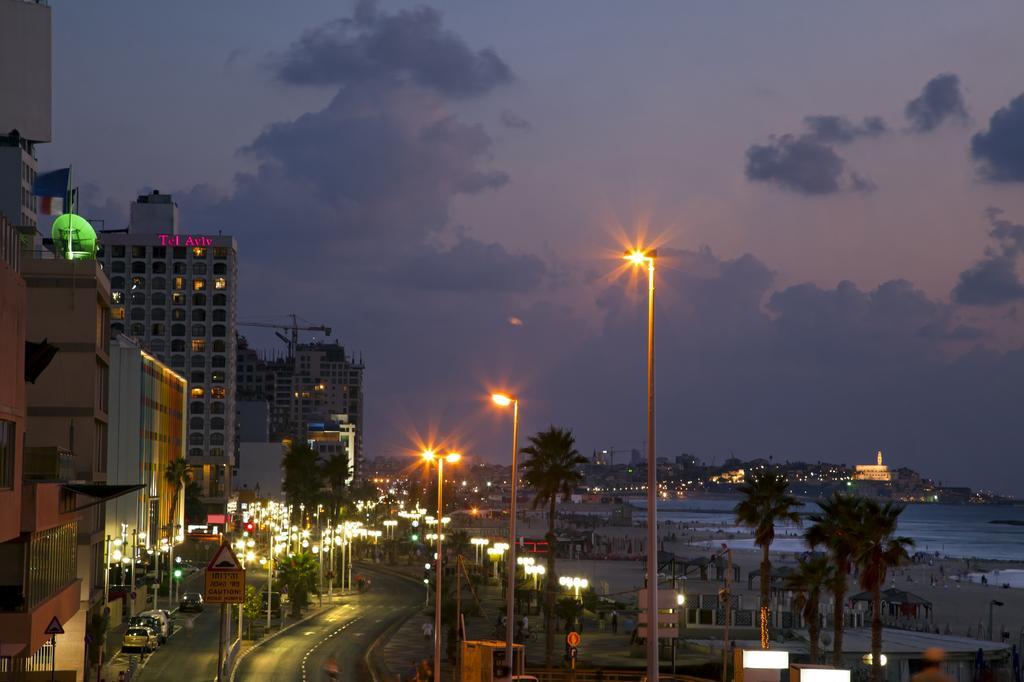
<point>994,280</point>
<point>999,150</point>
<point>104,212</point>
<point>472,266</point>
<point>799,164</point>
<point>829,129</point>
<point>409,46</point>
<point>510,119</point>
<point>940,101</point>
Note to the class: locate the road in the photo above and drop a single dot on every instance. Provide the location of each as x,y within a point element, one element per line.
<point>345,631</point>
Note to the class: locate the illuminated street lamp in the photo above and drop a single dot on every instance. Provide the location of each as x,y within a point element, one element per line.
<point>452,458</point>
<point>574,584</point>
<point>641,258</point>
<point>505,400</point>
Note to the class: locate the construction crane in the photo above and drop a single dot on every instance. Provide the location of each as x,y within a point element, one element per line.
<point>294,327</point>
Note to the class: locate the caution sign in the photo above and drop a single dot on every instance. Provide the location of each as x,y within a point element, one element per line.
<point>225,578</point>
<point>54,628</point>
<point>573,639</point>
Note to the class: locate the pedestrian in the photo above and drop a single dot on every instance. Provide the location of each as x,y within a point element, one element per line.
<point>428,630</point>
<point>932,669</point>
<point>615,622</point>
<point>331,668</point>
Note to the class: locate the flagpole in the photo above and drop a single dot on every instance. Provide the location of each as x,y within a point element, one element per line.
<point>70,210</point>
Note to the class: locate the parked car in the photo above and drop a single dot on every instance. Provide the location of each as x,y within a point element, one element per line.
<point>154,624</point>
<point>275,603</point>
<point>163,618</point>
<point>191,601</point>
<point>139,640</point>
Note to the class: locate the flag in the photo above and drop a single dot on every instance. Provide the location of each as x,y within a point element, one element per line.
<point>53,188</point>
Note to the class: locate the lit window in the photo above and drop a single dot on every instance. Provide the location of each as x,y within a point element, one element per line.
<point>117,313</point>
<point>218,377</point>
<point>178,299</point>
<point>220,283</point>
<point>197,392</point>
<point>199,252</point>
<point>198,345</point>
<point>138,282</point>
<point>218,392</point>
<point>179,283</point>
<point>198,284</point>
<point>118,296</point>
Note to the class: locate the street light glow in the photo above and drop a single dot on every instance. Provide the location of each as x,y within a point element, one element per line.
<point>502,399</point>
<point>452,457</point>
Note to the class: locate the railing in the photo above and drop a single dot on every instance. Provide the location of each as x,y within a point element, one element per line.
<point>10,244</point>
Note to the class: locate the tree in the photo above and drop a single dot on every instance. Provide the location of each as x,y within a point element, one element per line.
<point>552,470</point>
<point>177,474</point>
<point>253,606</point>
<point>879,549</point>
<point>195,510</point>
<point>300,574</point>
<point>811,577</point>
<point>834,528</point>
<point>766,502</point>
<point>302,477</point>
<point>335,473</point>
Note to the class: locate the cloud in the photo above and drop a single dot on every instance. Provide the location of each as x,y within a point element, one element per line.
<point>409,46</point>
<point>513,120</point>
<point>840,130</point>
<point>472,266</point>
<point>999,151</point>
<point>994,280</point>
<point>802,165</point>
<point>940,101</point>
<point>104,212</point>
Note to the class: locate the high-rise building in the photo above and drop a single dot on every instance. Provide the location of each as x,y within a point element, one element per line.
<point>175,293</point>
<point>25,103</point>
<point>38,528</point>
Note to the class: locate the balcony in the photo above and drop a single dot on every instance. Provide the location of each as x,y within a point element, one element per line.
<point>48,464</point>
<point>27,626</point>
<point>45,505</point>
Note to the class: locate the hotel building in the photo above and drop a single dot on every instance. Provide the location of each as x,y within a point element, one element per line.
<point>873,472</point>
<point>175,293</point>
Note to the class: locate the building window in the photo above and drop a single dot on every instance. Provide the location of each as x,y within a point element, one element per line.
<point>178,299</point>
<point>216,439</point>
<point>217,423</point>
<point>51,563</point>
<point>220,283</point>
<point>138,329</point>
<point>117,251</point>
<point>178,346</point>
<point>158,298</point>
<point>138,282</point>
<point>198,377</point>
<point>197,392</point>
<point>158,283</point>
<point>159,267</point>
<point>218,330</point>
<point>217,361</point>
<point>219,346</point>
<point>220,299</point>
<point>117,266</point>
<point>8,440</point>
<point>177,330</point>
<point>138,313</point>
<point>139,267</point>
<point>198,345</point>
<point>199,252</point>
<point>180,252</point>
<point>180,268</point>
<point>158,329</point>
<point>117,297</point>
<point>196,407</point>
<point>198,360</point>
<point>117,313</point>
<point>216,408</point>
<point>198,315</point>
<point>198,299</point>
<point>220,268</point>
<point>195,439</point>
<point>118,328</point>
<point>179,283</point>
<point>195,423</point>
<point>220,315</point>
<point>199,330</point>
<point>220,252</point>
<point>199,268</point>
<point>218,392</point>
<point>138,298</point>
<point>117,283</point>
<point>177,361</point>
<point>216,452</point>
<point>138,252</point>
<point>177,314</point>
<point>156,314</point>
<point>198,284</point>
<point>217,377</point>
<point>157,345</point>
<point>159,252</point>
<point>195,452</point>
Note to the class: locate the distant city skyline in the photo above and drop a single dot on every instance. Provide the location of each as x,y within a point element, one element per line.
<point>448,186</point>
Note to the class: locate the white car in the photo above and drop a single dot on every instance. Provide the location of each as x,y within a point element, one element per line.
<point>161,616</point>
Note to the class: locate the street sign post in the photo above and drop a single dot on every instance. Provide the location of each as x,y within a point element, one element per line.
<point>53,629</point>
<point>225,584</point>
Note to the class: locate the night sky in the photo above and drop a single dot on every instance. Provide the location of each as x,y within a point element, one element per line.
<point>837,193</point>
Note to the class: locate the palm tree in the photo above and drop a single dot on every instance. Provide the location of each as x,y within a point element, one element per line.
<point>879,550</point>
<point>833,527</point>
<point>299,573</point>
<point>811,577</point>
<point>766,501</point>
<point>177,474</point>
<point>552,470</point>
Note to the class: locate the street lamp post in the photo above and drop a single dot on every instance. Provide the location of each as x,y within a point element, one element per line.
<point>991,605</point>
<point>505,400</point>
<point>451,457</point>
<point>646,259</point>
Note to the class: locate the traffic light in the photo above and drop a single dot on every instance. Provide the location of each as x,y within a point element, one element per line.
<point>177,573</point>
<point>414,537</point>
<point>249,526</point>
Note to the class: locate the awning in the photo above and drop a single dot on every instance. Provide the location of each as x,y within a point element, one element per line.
<point>100,491</point>
<point>37,358</point>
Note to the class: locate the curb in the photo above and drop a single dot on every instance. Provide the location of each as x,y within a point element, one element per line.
<point>257,645</point>
<point>379,671</point>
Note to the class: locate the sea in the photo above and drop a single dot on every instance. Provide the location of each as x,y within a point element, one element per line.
<point>959,531</point>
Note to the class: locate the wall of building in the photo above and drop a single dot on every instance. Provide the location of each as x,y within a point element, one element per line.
<point>25,69</point>
<point>261,465</point>
<point>12,386</point>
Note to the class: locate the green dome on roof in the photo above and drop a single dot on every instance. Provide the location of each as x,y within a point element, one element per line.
<point>77,230</point>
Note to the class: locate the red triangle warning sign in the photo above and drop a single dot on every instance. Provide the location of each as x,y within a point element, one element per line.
<point>54,628</point>
<point>224,560</point>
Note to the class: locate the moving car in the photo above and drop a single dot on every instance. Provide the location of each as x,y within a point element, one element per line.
<point>191,601</point>
<point>139,640</point>
<point>154,624</point>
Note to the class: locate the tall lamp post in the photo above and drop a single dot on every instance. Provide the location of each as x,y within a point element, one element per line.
<point>504,400</point>
<point>646,259</point>
<point>451,457</point>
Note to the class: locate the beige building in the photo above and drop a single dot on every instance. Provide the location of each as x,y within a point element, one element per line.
<point>873,472</point>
